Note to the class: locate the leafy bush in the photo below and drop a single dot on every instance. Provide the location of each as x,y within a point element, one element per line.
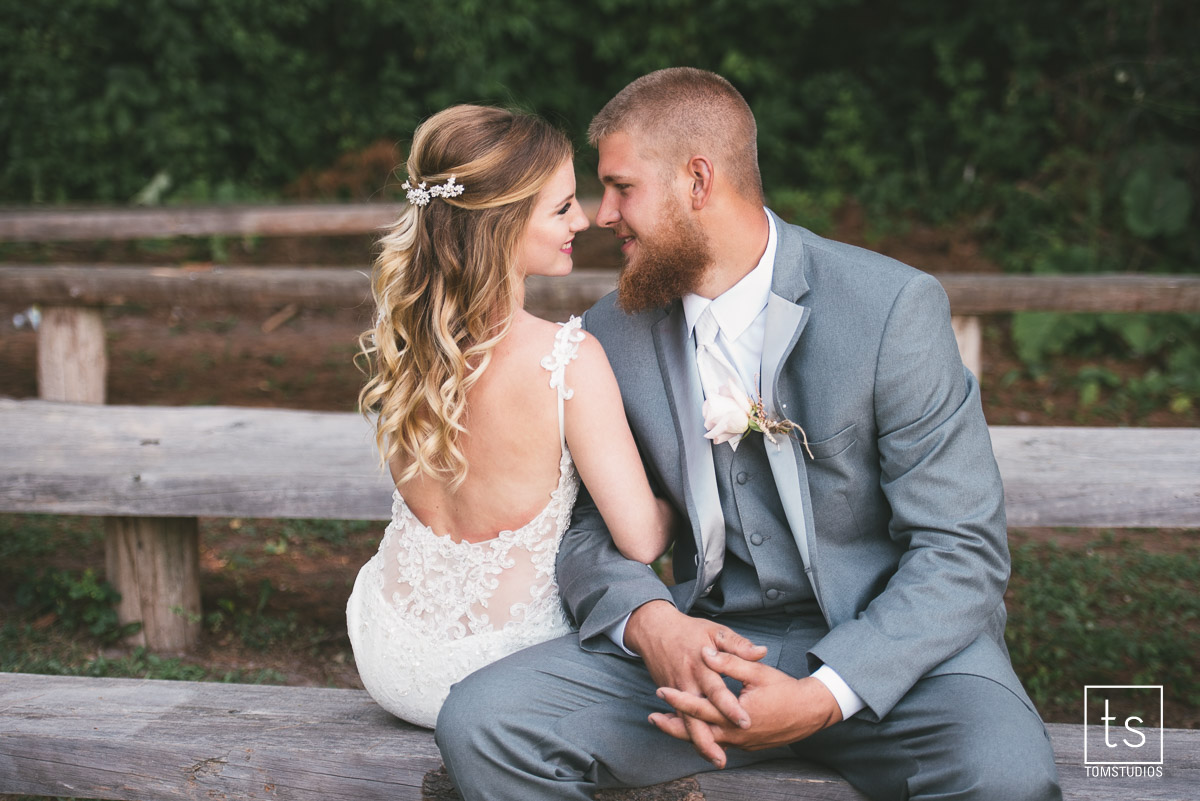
<point>76,601</point>
<point>1061,131</point>
<point>1110,613</point>
<point>930,102</point>
<point>252,625</point>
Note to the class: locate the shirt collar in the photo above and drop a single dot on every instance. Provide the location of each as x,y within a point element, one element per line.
<point>736,307</point>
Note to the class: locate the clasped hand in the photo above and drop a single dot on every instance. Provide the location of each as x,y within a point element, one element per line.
<point>687,657</point>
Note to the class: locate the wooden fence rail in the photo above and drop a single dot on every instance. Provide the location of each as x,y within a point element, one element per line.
<point>96,224</point>
<point>267,287</point>
<point>71,355</point>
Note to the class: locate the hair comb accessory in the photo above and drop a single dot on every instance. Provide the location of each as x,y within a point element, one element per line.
<point>422,193</point>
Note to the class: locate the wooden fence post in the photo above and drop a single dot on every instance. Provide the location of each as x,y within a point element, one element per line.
<point>968,332</point>
<point>154,562</point>
<point>71,360</point>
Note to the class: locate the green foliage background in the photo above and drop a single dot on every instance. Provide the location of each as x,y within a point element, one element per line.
<point>1062,132</point>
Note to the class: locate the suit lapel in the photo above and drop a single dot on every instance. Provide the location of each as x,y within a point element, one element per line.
<point>786,320</point>
<point>677,359</point>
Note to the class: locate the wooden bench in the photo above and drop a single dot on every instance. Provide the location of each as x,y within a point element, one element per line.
<point>131,739</point>
<point>155,469</point>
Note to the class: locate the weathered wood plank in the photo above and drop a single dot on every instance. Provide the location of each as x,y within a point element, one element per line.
<point>154,563</point>
<point>254,287</point>
<point>968,332</point>
<point>200,287</point>
<point>189,461</point>
<point>72,362</point>
<point>1181,769</point>
<point>233,462</point>
<point>81,224</point>
<point>266,287</point>
<point>131,739</point>
<point>1134,477</point>
<point>989,294</point>
<point>777,781</point>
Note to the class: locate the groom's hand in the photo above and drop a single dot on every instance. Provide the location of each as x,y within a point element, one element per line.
<point>783,709</point>
<point>672,645</point>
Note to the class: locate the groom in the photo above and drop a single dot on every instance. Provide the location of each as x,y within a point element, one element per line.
<point>839,590</point>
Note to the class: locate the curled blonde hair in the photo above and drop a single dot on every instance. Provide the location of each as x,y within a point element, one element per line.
<point>444,283</point>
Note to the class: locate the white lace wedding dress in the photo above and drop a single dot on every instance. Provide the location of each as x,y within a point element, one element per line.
<point>426,610</point>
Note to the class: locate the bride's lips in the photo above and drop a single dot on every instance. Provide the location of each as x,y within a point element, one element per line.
<point>567,248</point>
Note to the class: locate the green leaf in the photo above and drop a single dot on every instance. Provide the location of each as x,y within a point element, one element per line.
<point>1156,204</point>
<point>1089,394</point>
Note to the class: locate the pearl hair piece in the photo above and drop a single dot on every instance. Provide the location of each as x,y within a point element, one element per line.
<point>422,193</point>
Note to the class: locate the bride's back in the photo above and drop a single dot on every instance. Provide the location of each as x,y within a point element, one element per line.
<point>512,446</point>
<point>475,452</point>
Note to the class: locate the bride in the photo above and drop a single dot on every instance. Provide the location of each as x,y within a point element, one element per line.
<point>486,415</point>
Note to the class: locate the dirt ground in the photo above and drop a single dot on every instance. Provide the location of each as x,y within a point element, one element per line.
<point>181,356</point>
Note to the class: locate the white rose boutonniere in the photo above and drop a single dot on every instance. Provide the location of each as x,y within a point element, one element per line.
<point>727,414</point>
<point>730,415</point>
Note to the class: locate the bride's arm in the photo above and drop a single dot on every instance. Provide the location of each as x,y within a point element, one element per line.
<point>607,458</point>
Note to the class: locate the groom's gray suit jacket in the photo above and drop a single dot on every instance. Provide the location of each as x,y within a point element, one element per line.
<point>898,517</point>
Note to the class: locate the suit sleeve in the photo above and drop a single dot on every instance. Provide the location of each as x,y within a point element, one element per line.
<point>599,587</point>
<point>939,476</point>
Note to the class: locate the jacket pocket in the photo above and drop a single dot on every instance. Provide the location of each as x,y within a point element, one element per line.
<point>836,444</point>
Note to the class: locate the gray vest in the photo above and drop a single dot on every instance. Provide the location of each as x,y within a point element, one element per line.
<point>763,570</point>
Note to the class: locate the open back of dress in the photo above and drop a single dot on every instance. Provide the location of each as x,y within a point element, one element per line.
<point>427,610</point>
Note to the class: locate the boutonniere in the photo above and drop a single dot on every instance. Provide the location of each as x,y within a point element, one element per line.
<point>731,414</point>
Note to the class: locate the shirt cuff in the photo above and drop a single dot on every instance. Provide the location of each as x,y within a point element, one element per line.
<point>848,700</point>
<point>616,633</point>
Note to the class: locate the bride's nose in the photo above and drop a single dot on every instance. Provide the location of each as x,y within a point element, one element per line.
<point>579,221</point>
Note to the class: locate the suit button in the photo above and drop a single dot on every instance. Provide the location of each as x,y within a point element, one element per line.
<point>742,478</point>
<point>772,594</point>
<point>756,539</point>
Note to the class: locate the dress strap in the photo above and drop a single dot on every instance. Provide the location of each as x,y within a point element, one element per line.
<point>566,348</point>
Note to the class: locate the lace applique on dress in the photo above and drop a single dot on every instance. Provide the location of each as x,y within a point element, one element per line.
<point>566,348</point>
<point>426,610</point>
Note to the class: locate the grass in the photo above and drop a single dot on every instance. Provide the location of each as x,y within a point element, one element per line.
<point>1112,610</point>
<point>262,580</point>
<point>1084,608</point>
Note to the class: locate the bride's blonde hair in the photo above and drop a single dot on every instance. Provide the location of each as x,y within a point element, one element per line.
<point>444,282</point>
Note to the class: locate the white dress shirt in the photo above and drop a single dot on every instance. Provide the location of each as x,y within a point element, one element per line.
<point>741,312</point>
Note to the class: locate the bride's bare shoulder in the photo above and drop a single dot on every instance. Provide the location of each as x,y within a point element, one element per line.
<point>530,333</point>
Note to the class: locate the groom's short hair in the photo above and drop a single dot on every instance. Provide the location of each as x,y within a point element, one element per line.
<point>680,112</point>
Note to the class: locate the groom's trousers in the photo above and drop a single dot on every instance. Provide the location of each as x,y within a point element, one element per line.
<point>557,722</point>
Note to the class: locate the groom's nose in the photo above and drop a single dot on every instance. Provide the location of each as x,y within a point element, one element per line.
<point>607,215</point>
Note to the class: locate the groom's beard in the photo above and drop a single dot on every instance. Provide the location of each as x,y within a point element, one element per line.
<point>666,267</point>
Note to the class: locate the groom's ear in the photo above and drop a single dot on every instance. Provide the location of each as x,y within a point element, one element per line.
<point>700,170</point>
